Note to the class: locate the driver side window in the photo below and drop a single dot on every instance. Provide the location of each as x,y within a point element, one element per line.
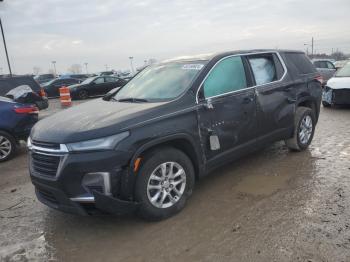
<point>99,80</point>
<point>227,76</point>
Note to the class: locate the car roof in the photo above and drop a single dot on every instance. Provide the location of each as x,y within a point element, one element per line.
<point>209,56</point>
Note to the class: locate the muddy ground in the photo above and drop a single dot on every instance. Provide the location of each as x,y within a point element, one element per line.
<point>273,205</point>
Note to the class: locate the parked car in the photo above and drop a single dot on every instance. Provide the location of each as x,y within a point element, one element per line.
<point>326,69</point>
<point>38,96</point>
<point>81,77</point>
<point>43,78</point>
<point>52,87</point>
<point>337,90</point>
<point>341,63</point>
<point>95,86</point>
<point>16,121</point>
<point>106,73</point>
<point>143,147</point>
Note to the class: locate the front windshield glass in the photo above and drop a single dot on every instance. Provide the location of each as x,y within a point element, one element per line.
<point>88,80</point>
<point>161,82</point>
<point>344,72</point>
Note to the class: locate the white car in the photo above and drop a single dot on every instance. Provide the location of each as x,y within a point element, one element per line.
<point>337,90</point>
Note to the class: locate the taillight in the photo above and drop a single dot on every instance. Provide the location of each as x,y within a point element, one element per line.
<point>42,92</point>
<point>26,110</point>
<point>319,78</point>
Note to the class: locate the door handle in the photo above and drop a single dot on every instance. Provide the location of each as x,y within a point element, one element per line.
<point>247,100</point>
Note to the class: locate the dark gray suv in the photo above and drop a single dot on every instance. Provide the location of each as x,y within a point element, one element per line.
<point>142,147</point>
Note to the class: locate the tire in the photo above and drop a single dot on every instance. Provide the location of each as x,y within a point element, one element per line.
<point>299,142</point>
<point>83,94</point>
<point>325,104</point>
<point>8,146</point>
<point>152,165</point>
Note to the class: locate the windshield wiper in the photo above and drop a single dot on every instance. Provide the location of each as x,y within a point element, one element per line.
<point>132,99</point>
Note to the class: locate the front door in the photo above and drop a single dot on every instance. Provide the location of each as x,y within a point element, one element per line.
<point>227,115</point>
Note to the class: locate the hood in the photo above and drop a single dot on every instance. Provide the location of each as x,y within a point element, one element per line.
<point>339,83</point>
<point>94,119</point>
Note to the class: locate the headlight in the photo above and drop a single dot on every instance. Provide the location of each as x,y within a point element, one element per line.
<point>104,143</point>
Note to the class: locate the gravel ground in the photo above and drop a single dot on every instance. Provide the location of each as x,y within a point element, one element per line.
<point>273,205</point>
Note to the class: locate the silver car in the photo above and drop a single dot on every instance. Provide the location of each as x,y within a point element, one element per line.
<point>326,68</point>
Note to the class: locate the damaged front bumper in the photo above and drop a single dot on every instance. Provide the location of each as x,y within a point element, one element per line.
<point>336,96</point>
<point>84,183</point>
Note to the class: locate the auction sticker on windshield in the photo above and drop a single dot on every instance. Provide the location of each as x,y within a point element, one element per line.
<point>192,66</point>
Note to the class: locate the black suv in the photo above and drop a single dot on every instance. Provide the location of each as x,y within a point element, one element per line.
<point>143,147</point>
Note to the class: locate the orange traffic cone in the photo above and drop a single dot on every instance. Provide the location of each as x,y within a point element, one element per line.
<point>65,97</point>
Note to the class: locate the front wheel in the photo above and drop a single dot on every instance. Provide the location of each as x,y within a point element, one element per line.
<point>165,181</point>
<point>325,104</point>
<point>304,128</point>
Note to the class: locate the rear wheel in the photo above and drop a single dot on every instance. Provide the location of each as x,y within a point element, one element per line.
<point>83,94</point>
<point>8,146</point>
<point>304,128</point>
<point>164,183</point>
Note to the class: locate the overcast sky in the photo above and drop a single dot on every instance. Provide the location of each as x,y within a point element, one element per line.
<point>109,31</point>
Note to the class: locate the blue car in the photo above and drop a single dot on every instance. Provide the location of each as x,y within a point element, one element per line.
<point>16,121</point>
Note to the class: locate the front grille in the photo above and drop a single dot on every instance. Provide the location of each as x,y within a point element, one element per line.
<point>48,196</point>
<point>46,144</point>
<point>44,164</point>
<point>341,96</point>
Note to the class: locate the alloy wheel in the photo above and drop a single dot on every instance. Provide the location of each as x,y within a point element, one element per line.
<point>305,129</point>
<point>5,147</point>
<point>166,184</point>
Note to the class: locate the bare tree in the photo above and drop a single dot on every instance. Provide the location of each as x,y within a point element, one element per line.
<point>75,69</point>
<point>338,55</point>
<point>36,70</point>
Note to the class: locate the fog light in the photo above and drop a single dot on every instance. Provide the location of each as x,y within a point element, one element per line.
<point>99,181</point>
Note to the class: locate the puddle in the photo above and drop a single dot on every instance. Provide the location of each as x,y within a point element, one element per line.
<point>262,184</point>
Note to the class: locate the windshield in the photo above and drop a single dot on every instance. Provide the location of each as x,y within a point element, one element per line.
<point>88,80</point>
<point>160,82</point>
<point>344,72</point>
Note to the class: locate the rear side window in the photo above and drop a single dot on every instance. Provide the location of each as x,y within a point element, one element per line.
<point>299,63</point>
<point>263,68</point>
<point>227,76</point>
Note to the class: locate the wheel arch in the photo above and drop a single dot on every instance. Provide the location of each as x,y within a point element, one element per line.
<point>183,142</point>
<point>309,102</point>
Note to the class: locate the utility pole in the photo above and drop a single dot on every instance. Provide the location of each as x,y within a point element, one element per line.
<point>54,67</point>
<point>7,55</point>
<point>131,65</point>
<point>312,46</point>
<point>86,67</point>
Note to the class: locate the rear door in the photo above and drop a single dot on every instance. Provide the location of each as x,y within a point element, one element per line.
<point>325,68</point>
<point>227,115</point>
<point>275,98</point>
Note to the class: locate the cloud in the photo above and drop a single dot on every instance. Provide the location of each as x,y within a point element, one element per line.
<point>109,31</point>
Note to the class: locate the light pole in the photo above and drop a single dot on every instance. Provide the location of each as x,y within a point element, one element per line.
<point>106,66</point>
<point>54,67</point>
<point>86,67</point>
<point>7,55</point>
<point>131,65</point>
<point>307,49</point>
